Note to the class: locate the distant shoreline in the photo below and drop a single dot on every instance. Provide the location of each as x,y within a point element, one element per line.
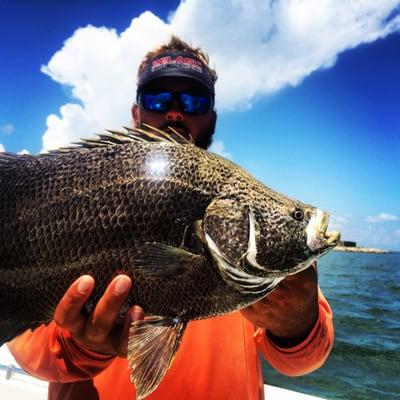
<point>361,250</point>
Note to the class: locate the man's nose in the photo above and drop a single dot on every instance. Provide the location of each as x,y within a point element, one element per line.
<point>174,116</point>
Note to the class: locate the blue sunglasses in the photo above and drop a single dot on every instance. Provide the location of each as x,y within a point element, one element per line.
<point>162,101</point>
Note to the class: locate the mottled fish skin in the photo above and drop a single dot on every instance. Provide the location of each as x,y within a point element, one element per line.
<point>199,236</point>
<point>75,213</point>
<point>92,211</point>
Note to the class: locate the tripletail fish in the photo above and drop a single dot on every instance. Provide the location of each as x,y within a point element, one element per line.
<point>199,236</point>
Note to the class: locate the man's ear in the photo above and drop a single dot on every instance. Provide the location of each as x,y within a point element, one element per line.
<point>135,115</point>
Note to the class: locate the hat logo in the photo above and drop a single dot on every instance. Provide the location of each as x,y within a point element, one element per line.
<point>178,62</point>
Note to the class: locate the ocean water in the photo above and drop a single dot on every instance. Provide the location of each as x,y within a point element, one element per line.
<point>364,293</point>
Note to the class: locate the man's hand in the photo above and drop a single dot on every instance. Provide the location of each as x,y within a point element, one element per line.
<point>289,312</point>
<point>99,332</point>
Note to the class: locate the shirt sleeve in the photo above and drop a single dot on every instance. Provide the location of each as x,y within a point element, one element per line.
<point>50,353</point>
<point>307,356</point>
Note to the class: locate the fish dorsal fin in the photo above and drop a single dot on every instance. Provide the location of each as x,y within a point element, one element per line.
<point>151,134</point>
<point>9,160</point>
<point>110,137</point>
<point>147,134</point>
<point>152,346</point>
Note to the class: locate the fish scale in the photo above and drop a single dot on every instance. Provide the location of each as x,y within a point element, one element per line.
<point>199,236</point>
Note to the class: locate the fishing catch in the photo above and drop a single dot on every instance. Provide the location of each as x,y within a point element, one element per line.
<point>199,236</point>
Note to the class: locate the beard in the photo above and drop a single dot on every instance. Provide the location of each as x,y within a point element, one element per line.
<point>203,141</point>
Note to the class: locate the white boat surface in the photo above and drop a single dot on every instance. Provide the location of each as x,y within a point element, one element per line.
<point>15,384</point>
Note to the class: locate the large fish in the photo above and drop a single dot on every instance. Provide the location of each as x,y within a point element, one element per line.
<point>199,236</point>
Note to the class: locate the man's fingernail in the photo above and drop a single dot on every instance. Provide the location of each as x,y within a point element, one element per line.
<point>136,314</point>
<point>84,285</point>
<point>122,286</point>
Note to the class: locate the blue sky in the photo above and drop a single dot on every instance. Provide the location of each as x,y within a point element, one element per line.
<point>311,108</point>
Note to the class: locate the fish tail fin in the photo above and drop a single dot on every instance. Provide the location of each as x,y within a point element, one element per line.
<point>152,346</point>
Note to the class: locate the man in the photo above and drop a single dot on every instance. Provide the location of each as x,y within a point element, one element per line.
<point>83,358</point>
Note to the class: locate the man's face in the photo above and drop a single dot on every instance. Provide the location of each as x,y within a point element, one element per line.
<point>198,127</point>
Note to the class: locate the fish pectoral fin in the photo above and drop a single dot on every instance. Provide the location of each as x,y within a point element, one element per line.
<point>161,260</point>
<point>152,346</point>
<point>234,276</point>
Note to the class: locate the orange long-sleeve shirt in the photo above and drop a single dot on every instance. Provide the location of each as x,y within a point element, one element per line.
<point>218,359</point>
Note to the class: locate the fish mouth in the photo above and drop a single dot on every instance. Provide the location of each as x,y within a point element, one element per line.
<point>318,237</point>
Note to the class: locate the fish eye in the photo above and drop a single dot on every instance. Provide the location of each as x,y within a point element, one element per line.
<point>298,214</point>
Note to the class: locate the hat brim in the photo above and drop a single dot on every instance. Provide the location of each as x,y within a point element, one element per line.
<point>174,73</point>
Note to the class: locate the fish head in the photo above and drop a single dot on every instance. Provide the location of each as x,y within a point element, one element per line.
<point>287,236</point>
<point>255,244</point>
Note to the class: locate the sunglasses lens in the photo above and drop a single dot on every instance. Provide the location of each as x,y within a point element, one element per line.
<point>156,101</point>
<point>195,104</point>
<point>162,101</point>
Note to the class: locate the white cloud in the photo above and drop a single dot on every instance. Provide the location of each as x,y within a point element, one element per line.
<point>218,147</point>
<point>260,46</point>
<point>73,124</point>
<point>2,149</point>
<point>99,65</point>
<point>355,228</point>
<point>382,217</point>
<point>257,47</point>
<point>6,129</point>
<point>24,151</point>
<point>337,222</point>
